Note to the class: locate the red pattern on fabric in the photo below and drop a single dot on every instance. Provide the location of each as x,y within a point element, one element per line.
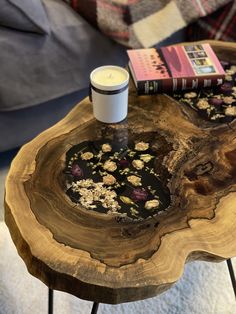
<point>74,4</point>
<point>206,6</point>
<point>116,18</point>
<point>231,28</point>
<point>111,7</point>
<point>197,8</point>
<point>118,35</point>
<point>209,27</point>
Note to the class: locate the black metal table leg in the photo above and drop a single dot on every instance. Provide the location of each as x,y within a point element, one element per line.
<point>232,276</point>
<point>50,301</point>
<point>95,308</point>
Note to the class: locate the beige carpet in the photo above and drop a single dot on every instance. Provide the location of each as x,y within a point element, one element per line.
<point>205,288</point>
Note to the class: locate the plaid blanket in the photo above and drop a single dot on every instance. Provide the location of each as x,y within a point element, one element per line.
<point>143,23</point>
<point>220,25</point>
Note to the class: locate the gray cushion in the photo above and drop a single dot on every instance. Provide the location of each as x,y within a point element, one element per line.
<point>24,15</point>
<point>35,69</point>
<point>20,126</point>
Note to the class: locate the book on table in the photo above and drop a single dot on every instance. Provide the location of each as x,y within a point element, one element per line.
<point>175,68</point>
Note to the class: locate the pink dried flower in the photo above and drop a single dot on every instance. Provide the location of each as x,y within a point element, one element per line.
<point>226,88</point>
<point>215,102</point>
<point>76,171</point>
<point>139,194</point>
<point>123,163</point>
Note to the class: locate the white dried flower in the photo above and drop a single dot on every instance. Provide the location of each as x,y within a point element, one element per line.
<point>230,111</point>
<point>190,95</point>
<point>136,181</point>
<point>109,179</point>
<point>228,100</point>
<point>141,146</point>
<point>228,78</point>
<point>151,204</point>
<point>87,156</point>
<point>233,68</point>
<point>110,166</point>
<point>106,148</point>
<point>202,104</point>
<point>83,183</point>
<point>138,164</point>
<point>91,192</point>
<point>216,116</point>
<point>230,71</point>
<point>146,157</point>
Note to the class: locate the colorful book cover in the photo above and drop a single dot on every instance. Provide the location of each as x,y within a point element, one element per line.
<point>175,68</point>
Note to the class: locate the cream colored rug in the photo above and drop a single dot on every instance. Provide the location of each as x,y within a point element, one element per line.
<point>205,288</point>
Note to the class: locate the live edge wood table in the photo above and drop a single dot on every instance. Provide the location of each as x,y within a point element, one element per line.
<point>111,257</point>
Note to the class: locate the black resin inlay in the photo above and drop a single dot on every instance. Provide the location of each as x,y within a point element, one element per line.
<point>131,200</point>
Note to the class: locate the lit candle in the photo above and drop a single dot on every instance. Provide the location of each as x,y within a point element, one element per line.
<point>109,89</point>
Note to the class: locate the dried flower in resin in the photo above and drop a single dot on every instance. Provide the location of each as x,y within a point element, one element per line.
<point>230,72</point>
<point>91,192</point>
<point>126,200</point>
<point>230,111</point>
<point>138,164</point>
<point>226,88</point>
<point>109,179</point>
<point>228,78</point>
<point>136,181</point>
<point>87,156</point>
<point>76,171</point>
<point>110,166</point>
<point>139,194</point>
<point>123,163</point>
<point>146,157</point>
<point>152,204</point>
<point>202,104</point>
<point>190,95</point>
<point>106,148</point>
<point>233,68</point>
<point>228,100</point>
<point>216,102</point>
<point>141,146</point>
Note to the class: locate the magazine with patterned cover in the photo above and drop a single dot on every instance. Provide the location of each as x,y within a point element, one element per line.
<point>175,68</point>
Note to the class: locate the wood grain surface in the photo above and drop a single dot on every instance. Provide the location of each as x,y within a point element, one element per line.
<point>101,258</point>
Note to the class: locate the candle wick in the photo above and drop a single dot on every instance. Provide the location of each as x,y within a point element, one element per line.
<point>110,75</point>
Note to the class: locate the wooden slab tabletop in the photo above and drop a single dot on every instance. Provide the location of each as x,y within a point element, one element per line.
<point>107,258</point>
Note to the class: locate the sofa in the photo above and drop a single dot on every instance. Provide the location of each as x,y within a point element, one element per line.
<point>47,51</point>
<point>44,73</point>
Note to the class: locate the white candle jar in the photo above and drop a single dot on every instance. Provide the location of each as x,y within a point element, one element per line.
<point>109,93</point>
